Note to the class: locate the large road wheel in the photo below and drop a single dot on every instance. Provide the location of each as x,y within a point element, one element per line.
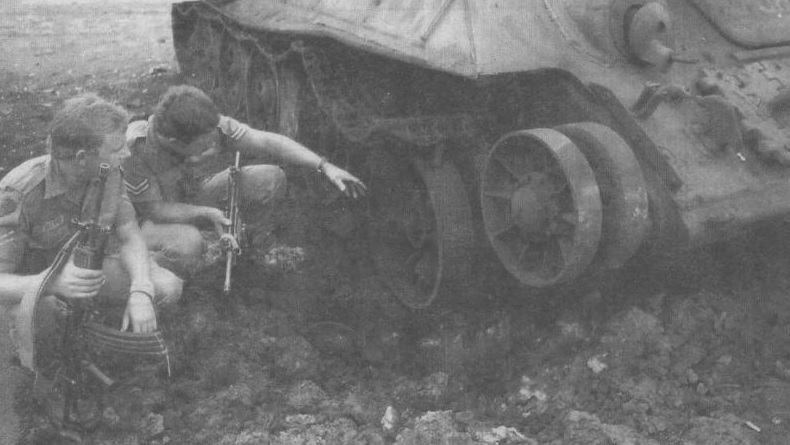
<point>541,206</point>
<point>421,227</point>
<point>623,190</point>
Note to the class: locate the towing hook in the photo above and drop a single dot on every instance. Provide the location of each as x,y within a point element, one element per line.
<point>653,95</point>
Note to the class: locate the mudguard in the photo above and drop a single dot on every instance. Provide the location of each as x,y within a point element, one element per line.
<point>465,37</point>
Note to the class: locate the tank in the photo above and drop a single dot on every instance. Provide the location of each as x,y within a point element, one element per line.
<point>554,139</point>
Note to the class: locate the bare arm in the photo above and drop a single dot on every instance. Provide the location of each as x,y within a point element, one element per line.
<point>13,287</point>
<point>257,143</point>
<point>140,314</point>
<point>134,254</point>
<point>71,282</point>
<point>180,213</point>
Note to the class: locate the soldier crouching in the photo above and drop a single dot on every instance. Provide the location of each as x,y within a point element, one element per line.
<point>39,202</point>
<point>177,175</point>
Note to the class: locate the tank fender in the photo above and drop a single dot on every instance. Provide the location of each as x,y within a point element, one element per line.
<point>667,228</point>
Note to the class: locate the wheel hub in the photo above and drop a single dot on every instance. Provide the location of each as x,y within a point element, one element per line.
<point>531,208</point>
<point>541,206</point>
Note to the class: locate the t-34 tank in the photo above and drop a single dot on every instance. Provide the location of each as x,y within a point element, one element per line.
<point>564,136</point>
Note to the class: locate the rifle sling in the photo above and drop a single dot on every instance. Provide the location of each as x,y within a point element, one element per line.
<point>24,314</point>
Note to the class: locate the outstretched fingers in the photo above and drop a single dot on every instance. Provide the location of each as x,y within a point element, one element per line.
<point>355,188</point>
<point>347,183</point>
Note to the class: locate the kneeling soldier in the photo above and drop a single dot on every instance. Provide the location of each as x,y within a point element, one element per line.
<point>41,200</point>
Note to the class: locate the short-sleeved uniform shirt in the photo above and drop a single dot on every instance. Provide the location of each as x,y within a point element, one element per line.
<point>154,173</point>
<point>37,214</point>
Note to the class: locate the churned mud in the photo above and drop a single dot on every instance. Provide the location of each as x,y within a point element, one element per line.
<point>312,348</point>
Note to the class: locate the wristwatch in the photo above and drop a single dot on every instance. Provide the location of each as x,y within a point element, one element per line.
<point>320,168</point>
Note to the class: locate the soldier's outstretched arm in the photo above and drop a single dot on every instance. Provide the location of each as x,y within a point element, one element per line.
<point>162,212</point>
<point>258,143</point>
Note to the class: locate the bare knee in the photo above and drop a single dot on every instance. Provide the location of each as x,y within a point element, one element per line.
<point>180,239</point>
<point>178,247</point>
<point>279,183</point>
<point>263,183</point>
<point>168,286</point>
<point>185,241</point>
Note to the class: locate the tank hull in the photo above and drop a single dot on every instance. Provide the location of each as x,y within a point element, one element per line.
<point>443,82</point>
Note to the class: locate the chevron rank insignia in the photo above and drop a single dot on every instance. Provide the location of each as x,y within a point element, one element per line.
<point>136,189</point>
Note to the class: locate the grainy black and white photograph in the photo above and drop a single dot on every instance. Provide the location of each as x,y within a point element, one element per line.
<point>395,222</point>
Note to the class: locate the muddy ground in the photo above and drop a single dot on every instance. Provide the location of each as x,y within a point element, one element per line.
<point>687,349</point>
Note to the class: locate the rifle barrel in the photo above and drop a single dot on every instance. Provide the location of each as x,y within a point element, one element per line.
<point>232,213</point>
<point>228,271</point>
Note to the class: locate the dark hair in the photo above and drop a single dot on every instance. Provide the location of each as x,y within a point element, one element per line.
<point>184,113</point>
<point>82,124</point>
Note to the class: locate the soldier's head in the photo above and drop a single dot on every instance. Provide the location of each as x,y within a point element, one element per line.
<point>184,118</point>
<point>88,131</point>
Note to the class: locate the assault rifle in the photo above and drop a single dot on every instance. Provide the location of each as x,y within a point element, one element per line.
<point>87,254</point>
<point>81,336</point>
<point>235,238</point>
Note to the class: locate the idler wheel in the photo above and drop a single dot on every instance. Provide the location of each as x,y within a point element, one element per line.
<point>234,65</point>
<point>421,227</point>
<point>623,190</point>
<point>201,61</point>
<point>541,206</point>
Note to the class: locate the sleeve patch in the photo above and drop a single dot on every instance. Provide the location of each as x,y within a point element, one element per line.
<point>136,189</point>
<point>136,130</point>
<point>232,128</point>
